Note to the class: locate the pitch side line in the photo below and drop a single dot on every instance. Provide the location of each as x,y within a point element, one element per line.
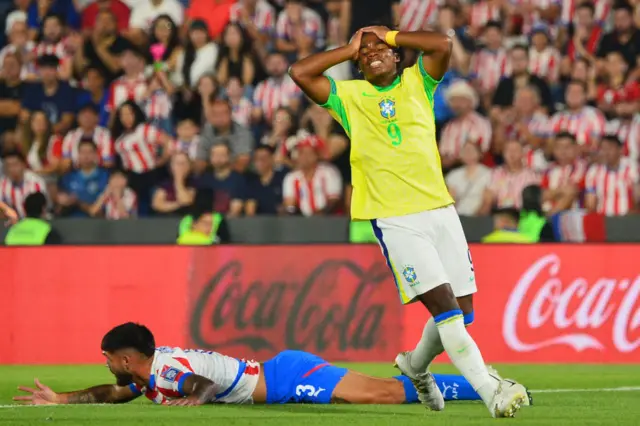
<point>619,389</point>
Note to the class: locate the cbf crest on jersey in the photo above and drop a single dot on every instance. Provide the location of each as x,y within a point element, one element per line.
<point>387,108</point>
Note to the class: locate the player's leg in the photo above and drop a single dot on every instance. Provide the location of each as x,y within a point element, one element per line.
<point>356,388</point>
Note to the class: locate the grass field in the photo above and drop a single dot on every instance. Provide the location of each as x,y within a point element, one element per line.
<point>554,402</point>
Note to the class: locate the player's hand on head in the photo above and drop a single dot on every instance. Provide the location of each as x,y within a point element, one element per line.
<point>40,395</point>
<point>379,30</point>
<point>354,44</point>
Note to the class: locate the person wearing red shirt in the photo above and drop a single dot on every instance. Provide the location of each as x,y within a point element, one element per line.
<point>216,13</point>
<point>118,8</point>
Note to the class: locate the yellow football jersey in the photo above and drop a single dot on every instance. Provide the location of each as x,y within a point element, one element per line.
<point>395,163</point>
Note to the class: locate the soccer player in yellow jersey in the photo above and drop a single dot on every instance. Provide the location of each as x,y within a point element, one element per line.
<point>398,185</point>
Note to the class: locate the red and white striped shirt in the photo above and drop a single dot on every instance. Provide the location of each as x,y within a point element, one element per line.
<point>472,128</point>
<point>130,203</point>
<point>189,148</point>
<point>535,159</point>
<point>530,19</point>
<point>54,151</point>
<point>587,125</point>
<point>558,176</point>
<point>123,89</point>
<point>482,12</point>
<point>602,7</point>
<point>312,196</point>
<point>629,133</point>
<point>545,64</point>
<point>507,186</point>
<point>416,15</point>
<point>264,17</point>
<point>158,105</point>
<point>100,136</point>
<point>538,125</point>
<point>14,194</point>
<point>312,26</point>
<point>613,188</point>
<point>591,44</point>
<point>58,49</point>
<point>139,148</point>
<point>273,93</point>
<point>489,67</point>
<point>241,111</point>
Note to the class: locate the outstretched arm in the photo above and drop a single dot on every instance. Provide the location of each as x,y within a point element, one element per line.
<point>102,394</point>
<point>308,72</point>
<point>198,391</point>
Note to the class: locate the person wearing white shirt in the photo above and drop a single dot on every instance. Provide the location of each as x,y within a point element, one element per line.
<point>197,59</point>
<point>146,11</point>
<point>468,183</point>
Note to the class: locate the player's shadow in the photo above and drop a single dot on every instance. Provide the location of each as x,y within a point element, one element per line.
<point>323,409</point>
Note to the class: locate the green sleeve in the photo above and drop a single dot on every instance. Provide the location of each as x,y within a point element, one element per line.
<point>429,83</point>
<point>335,106</point>
<point>185,225</point>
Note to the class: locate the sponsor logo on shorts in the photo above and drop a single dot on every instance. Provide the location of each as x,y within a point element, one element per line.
<point>409,274</point>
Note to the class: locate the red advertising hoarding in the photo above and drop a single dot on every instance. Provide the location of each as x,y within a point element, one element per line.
<point>539,303</point>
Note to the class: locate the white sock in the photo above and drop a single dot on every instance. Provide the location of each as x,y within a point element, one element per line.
<point>466,356</point>
<point>428,348</point>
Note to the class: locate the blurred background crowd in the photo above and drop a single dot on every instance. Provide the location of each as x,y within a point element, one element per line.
<point>124,108</point>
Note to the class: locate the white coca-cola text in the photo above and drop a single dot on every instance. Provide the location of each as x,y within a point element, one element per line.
<point>550,301</point>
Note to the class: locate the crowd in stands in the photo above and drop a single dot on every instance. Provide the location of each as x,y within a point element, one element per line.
<point>125,108</point>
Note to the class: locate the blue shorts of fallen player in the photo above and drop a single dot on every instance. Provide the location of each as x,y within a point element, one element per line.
<point>301,377</point>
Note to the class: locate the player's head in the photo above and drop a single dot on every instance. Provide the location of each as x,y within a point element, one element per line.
<point>126,347</point>
<point>564,148</point>
<point>35,204</point>
<point>506,218</point>
<point>611,150</point>
<point>376,59</point>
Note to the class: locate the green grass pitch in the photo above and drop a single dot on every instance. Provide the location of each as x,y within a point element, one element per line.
<point>587,406</point>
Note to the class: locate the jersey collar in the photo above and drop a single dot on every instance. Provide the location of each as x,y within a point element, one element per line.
<point>391,86</point>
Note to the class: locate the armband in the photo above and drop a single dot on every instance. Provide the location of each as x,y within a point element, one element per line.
<point>390,38</point>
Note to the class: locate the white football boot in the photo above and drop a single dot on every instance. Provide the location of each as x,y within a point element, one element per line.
<point>508,399</point>
<point>428,392</point>
<point>494,374</point>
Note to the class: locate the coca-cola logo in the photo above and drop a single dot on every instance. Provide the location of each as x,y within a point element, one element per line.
<point>336,305</point>
<point>572,311</point>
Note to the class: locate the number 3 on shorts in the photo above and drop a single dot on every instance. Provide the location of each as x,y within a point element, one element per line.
<point>308,390</point>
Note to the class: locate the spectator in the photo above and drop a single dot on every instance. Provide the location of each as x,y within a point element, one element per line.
<point>88,130</point>
<point>52,43</point>
<point>188,138</point>
<point>215,14</point>
<point>220,128</point>
<point>467,127</point>
<point>203,227</point>
<point>299,30</point>
<point>157,104</point>
<point>90,14</point>
<point>533,222</point>
<point>39,10</point>
<point>132,85</point>
<point>146,11</point>
<point>228,185</point>
<point>313,188</point>
<point>80,189</point>
<point>23,48</point>
<point>165,33</point>
<point>562,181</point>
<point>101,48</point>
<point>625,38</point>
<point>11,91</point>
<point>176,195</point>
<point>615,85</point>
<point>198,58</point>
<point>196,104</point>
<point>357,14</point>
<point>283,127</point>
<point>33,230</point>
<point>612,186</point>
<point>236,59</point>
<point>240,106</point>
<point>336,37</point>
<point>277,91</point>
<point>18,182</point>
<point>491,63</point>
<point>626,125</point>
<point>418,15</point>
<point>505,228</point>
<point>520,77</point>
<point>585,122</point>
<point>468,183</point>
<point>525,122</point>
<point>257,17</point>
<point>508,181</point>
<point>95,94</point>
<point>586,35</point>
<point>143,149</point>
<point>544,58</point>
<point>52,96</point>
<point>265,187</point>
<point>41,148</point>
<point>118,201</point>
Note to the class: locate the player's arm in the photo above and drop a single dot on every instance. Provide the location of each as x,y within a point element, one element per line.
<point>198,391</point>
<point>308,72</point>
<point>102,394</point>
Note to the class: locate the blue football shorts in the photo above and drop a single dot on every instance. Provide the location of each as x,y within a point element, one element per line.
<point>300,377</point>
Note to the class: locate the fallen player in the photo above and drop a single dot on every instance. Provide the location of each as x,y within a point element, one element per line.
<point>173,376</point>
